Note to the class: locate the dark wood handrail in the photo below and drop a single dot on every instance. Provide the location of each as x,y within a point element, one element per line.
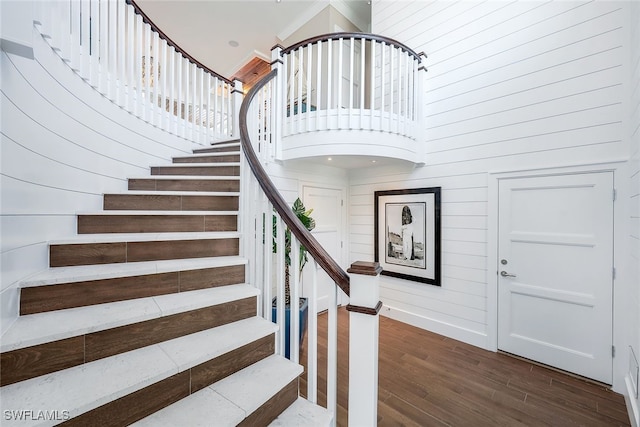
<point>347,35</point>
<point>328,264</point>
<point>173,44</point>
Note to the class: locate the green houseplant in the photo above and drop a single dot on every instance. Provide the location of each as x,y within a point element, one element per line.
<point>305,218</point>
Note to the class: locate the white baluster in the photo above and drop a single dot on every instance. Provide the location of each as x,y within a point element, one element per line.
<point>300,72</point>
<point>268,257</point>
<point>294,312</point>
<point>332,352</point>
<point>146,66</point>
<point>103,85</point>
<point>280,262</point>
<point>215,122</point>
<point>194,101</point>
<point>75,42</point>
<point>233,125</point>
<point>270,118</point>
<point>122,50</point>
<point>95,42</point>
<point>112,52</point>
<point>312,341</point>
<point>319,85</point>
<point>399,79</point>
<point>372,88</point>
<point>339,78</point>
<point>164,90</point>
<point>138,68</point>
<point>207,105</point>
<point>290,64</point>
<point>383,89</point>
<point>184,96</point>
<point>352,48</point>
<point>155,79</point>
<point>202,112</point>
<point>329,79</point>
<point>308,90</point>
<point>361,85</point>
<point>258,255</point>
<point>412,98</point>
<point>85,36</point>
<point>127,82</point>
<point>392,50</point>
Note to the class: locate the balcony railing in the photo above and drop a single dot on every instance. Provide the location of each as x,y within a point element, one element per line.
<point>115,48</point>
<point>344,82</point>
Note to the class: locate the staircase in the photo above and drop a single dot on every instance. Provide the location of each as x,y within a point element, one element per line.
<point>145,318</point>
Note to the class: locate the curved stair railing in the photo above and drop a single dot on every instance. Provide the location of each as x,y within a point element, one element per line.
<point>265,212</point>
<point>344,81</point>
<point>118,50</point>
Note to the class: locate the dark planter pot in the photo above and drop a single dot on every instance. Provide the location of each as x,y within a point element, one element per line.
<point>304,308</point>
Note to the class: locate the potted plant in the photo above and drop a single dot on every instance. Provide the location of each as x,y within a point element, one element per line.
<point>304,216</point>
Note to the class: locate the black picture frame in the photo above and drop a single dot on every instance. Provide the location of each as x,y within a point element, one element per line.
<point>407,233</point>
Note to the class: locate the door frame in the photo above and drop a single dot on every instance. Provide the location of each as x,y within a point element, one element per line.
<point>620,246</point>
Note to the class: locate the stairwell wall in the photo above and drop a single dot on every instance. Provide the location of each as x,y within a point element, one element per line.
<point>63,146</point>
<point>510,86</point>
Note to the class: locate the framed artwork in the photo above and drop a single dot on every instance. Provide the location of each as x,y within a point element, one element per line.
<point>407,233</point>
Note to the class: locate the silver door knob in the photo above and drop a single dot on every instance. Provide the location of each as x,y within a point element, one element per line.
<point>505,274</point>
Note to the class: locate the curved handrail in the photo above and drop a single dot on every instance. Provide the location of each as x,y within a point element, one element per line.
<point>355,35</point>
<point>328,264</point>
<point>173,44</point>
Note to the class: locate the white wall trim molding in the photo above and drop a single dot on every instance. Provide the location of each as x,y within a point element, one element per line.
<point>621,319</point>
<point>436,326</point>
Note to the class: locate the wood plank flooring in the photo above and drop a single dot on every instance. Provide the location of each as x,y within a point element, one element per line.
<point>426,379</point>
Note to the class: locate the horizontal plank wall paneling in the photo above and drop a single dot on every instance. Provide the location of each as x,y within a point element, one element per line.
<point>634,205</point>
<point>510,85</point>
<point>63,146</point>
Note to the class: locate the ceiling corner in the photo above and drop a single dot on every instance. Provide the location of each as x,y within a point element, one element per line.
<point>316,7</point>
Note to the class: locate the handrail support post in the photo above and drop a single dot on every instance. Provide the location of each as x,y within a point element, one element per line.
<point>278,106</point>
<point>364,306</point>
<point>237,97</point>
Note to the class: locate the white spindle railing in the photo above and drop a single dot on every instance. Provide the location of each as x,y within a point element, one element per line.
<point>340,81</point>
<point>113,46</point>
<point>346,81</point>
<point>264,215</point>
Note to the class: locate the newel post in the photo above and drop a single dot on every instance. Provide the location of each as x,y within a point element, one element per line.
<point>278,106</point>
<point>237,95</point>
<point>364,306</point>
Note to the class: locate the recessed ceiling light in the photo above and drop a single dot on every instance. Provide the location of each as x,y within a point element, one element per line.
<point>329,158</point>
<point>233,43</point>
<point>373,161</point>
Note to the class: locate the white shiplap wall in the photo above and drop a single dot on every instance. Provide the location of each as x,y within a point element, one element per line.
<point>63,146</point>
<point>634,169</point>
<point>510,85</point>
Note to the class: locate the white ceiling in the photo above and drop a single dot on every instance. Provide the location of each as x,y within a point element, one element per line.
<point>204,28</point>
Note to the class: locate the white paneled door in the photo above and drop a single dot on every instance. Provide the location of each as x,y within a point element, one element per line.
<point>555,271</point>
<point>328,211</point>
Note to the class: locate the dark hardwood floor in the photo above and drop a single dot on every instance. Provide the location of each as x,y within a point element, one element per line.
<point>426,379</point>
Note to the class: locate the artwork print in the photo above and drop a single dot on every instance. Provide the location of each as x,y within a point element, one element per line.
<point>407,234</point>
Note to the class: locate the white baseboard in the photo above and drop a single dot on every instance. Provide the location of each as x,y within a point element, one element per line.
<point>448,330</point>
<point>632,403</point>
